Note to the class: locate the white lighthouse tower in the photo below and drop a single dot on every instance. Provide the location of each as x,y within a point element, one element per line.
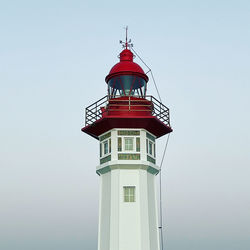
<point>127,123</point>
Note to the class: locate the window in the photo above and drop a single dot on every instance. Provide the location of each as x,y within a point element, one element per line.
<point>137,144</point>
<point>128,143</point>
<point>109,145</point>
<point>100,149</point>
<point>150,147</point>
<point>105,146</point>
<point>129,194</point>
<point>119,144</point>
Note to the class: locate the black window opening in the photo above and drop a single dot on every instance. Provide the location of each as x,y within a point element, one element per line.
<point>127,85</point>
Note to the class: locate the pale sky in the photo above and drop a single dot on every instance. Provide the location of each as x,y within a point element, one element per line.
<point>54,56</point>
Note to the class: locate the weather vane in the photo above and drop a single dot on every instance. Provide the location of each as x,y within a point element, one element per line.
<point>127,44</point>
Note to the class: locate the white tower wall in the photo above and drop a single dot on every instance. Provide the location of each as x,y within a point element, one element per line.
<point>127,225</point>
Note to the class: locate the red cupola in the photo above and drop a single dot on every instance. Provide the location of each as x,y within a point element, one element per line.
<point>126,66</point>
<point>127,104</point>
<point>126,78</point>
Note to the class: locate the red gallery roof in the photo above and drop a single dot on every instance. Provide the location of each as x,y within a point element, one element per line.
<point>126,66</point>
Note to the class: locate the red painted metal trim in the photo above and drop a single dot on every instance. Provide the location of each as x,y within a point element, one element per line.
<point>149,123</point>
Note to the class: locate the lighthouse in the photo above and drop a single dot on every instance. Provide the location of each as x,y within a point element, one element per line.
<point>127,122</point>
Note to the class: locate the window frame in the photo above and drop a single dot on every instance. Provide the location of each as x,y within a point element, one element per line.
<point>107,142</point>
<point>152,147</point>
<point>137,144</point>
<point>131,195</point>
<point>136,147</point>
<point>105,150</point>
<point>132,144</point>
<point>119,144</point>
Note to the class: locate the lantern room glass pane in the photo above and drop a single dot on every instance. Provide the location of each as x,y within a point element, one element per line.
<point>126,85</point>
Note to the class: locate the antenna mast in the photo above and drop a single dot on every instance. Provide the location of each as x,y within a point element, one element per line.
<point>127,44</point>
<point>126,37</point>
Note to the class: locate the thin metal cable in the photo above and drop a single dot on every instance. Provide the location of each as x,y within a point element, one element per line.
<point>166,145</point>
<point>161,217</point>
<point>149,70</point>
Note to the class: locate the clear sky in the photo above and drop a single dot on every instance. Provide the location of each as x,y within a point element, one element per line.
<point>54,56</point>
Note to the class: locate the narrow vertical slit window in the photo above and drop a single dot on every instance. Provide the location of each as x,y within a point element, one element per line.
<point>129,194</point>
<point>147,145</point>
<point>138,144</point>
<point>150,144</point>
<point>100,149</point>
<point>119,144</point>
<point>110,145</point>
<point>154,150</point>
<point>105,146</point>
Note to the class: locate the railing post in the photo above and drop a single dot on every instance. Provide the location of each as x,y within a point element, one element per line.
<point>107,106</point>
<point>160,107</point>
<point>96,111</point>
<point>85,117</point>
<point>151,100</point>
<point>129,103</point>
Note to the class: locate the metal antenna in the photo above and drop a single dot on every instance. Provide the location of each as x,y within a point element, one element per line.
<point>127,44</point>
<point>126,37</point>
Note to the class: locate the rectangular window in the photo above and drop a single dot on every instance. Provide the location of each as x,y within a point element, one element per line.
<point>128,143</point>
<point>129,194</point>
<point>109,145</point>
<point>138,144</point>
<point>119,144</point>
<point>150,147</point>
<point>154,150</point>
<point>105,146</point>
<point>100,149</point>
<point>147,145</point>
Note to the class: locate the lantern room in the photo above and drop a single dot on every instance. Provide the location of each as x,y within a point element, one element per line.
<point>126,78</point>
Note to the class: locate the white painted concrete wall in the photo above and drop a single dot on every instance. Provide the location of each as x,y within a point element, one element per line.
<point>104,212</point>
<point>128,225</point>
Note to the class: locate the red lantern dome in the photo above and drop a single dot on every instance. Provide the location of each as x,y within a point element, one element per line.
<point>126,66</point>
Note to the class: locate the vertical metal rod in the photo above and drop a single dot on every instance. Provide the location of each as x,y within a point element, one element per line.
<point>129,103</point>
<point>85,117</point>
<point>96,111</point>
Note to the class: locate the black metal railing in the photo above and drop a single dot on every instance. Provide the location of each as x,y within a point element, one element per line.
<point>97,110</point>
